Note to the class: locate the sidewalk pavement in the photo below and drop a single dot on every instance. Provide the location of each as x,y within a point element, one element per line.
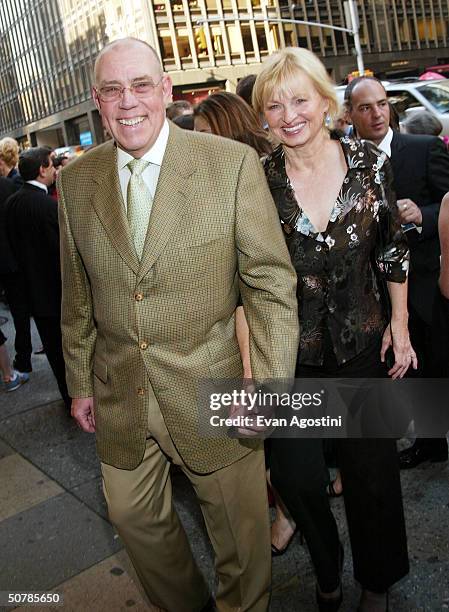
<point>55,535</point>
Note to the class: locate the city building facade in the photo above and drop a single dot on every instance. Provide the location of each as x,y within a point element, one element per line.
<point>48,49</point>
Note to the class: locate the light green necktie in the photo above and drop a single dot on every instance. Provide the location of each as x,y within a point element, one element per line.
<point>139,202</point>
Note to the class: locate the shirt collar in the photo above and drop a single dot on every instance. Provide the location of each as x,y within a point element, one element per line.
<point>38,184</point>
<point>385,144</point>
<point>155,155</point>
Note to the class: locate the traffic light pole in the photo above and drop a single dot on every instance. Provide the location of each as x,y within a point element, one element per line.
<point>351,17</point>
<point>351,8</point>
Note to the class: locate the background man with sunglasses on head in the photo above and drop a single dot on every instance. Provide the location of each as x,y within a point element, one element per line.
<point>161,229</point>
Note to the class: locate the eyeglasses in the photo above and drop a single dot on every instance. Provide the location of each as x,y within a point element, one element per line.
<point>139,89</point>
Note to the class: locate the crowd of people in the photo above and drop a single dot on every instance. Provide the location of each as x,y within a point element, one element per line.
<point>175,266</point>
<point>29,259</point>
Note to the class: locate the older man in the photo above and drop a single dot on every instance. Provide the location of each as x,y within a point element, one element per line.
<point>421,177</point>
<point>161,228</point>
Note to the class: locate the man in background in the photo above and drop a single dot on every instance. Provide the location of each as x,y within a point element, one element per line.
<point>33,233</point>
<point>421,178</point>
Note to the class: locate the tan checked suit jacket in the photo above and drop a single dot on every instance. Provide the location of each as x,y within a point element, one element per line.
<point>140,332</point>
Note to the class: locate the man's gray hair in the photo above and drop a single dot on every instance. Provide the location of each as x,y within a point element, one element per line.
<point>423,122</point>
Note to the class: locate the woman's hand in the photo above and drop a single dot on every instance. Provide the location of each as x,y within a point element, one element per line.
<point>404,355</point>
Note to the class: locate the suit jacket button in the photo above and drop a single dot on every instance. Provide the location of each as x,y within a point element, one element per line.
<point>140,391</point>
<point>138,297</point>
<point>143,346</point>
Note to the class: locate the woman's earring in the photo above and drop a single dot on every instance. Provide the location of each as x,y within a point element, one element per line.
<point>327,120</point>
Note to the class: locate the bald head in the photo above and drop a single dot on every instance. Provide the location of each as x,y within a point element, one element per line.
<point>368,108</point>
<point>131,92</point>
<point>117,46</point>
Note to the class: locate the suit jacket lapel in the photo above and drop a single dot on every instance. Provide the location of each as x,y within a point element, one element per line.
<point>110,208</point>
<point>170,199</point>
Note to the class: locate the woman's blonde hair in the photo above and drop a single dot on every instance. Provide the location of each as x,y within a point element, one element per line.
<point>9,151</point>
<point>280,70</point>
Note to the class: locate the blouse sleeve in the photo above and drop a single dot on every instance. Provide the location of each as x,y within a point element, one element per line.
<point>392,252</point>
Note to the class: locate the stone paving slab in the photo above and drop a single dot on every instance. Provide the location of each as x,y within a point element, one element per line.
<point>52,542</point>
<point>91,494</point>
<point>426,495</point>
<point>50,439</point>
<point>40,389</point>
<point>107,586</point>
<point>22,486</point>
<point>5,450</point>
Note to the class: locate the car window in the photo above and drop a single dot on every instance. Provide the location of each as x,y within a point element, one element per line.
<point>402,100</point>
<point>437,95</point>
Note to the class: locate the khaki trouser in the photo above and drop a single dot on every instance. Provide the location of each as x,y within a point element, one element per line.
<point>233,501</point>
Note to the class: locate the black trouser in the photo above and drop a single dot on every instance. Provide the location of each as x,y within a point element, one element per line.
<point>372,492</point>
<point>18,305</point>
<point>429,342</point>
<point>49,329</point>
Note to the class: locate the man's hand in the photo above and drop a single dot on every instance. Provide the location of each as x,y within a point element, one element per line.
<point>83,413</point>
<point>409,212</point>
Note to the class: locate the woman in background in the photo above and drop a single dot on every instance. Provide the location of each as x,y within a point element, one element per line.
<point>9,158</point>
<point>226,114</point>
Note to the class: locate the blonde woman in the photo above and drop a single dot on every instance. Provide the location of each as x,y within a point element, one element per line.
<point>337,209</point>
<point>9,158</point>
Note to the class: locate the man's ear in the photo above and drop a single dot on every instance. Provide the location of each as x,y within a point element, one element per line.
<point>167,87</point>
<point>96,99</point>
<point>42,170</point>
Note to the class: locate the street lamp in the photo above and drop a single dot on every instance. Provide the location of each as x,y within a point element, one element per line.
<point>351,17</point>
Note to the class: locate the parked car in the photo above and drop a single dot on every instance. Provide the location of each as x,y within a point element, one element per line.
<point>418,95</point>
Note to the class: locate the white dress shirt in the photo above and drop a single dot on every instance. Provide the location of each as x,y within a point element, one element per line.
<point>385,144</point>
<point>151,173</point>
<point>38,184</point>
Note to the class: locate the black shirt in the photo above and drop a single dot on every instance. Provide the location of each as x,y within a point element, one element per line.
<point>337,269</point>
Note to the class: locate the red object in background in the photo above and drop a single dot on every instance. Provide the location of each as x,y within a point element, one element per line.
<point>441,69</point>
<point>431,76</point>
